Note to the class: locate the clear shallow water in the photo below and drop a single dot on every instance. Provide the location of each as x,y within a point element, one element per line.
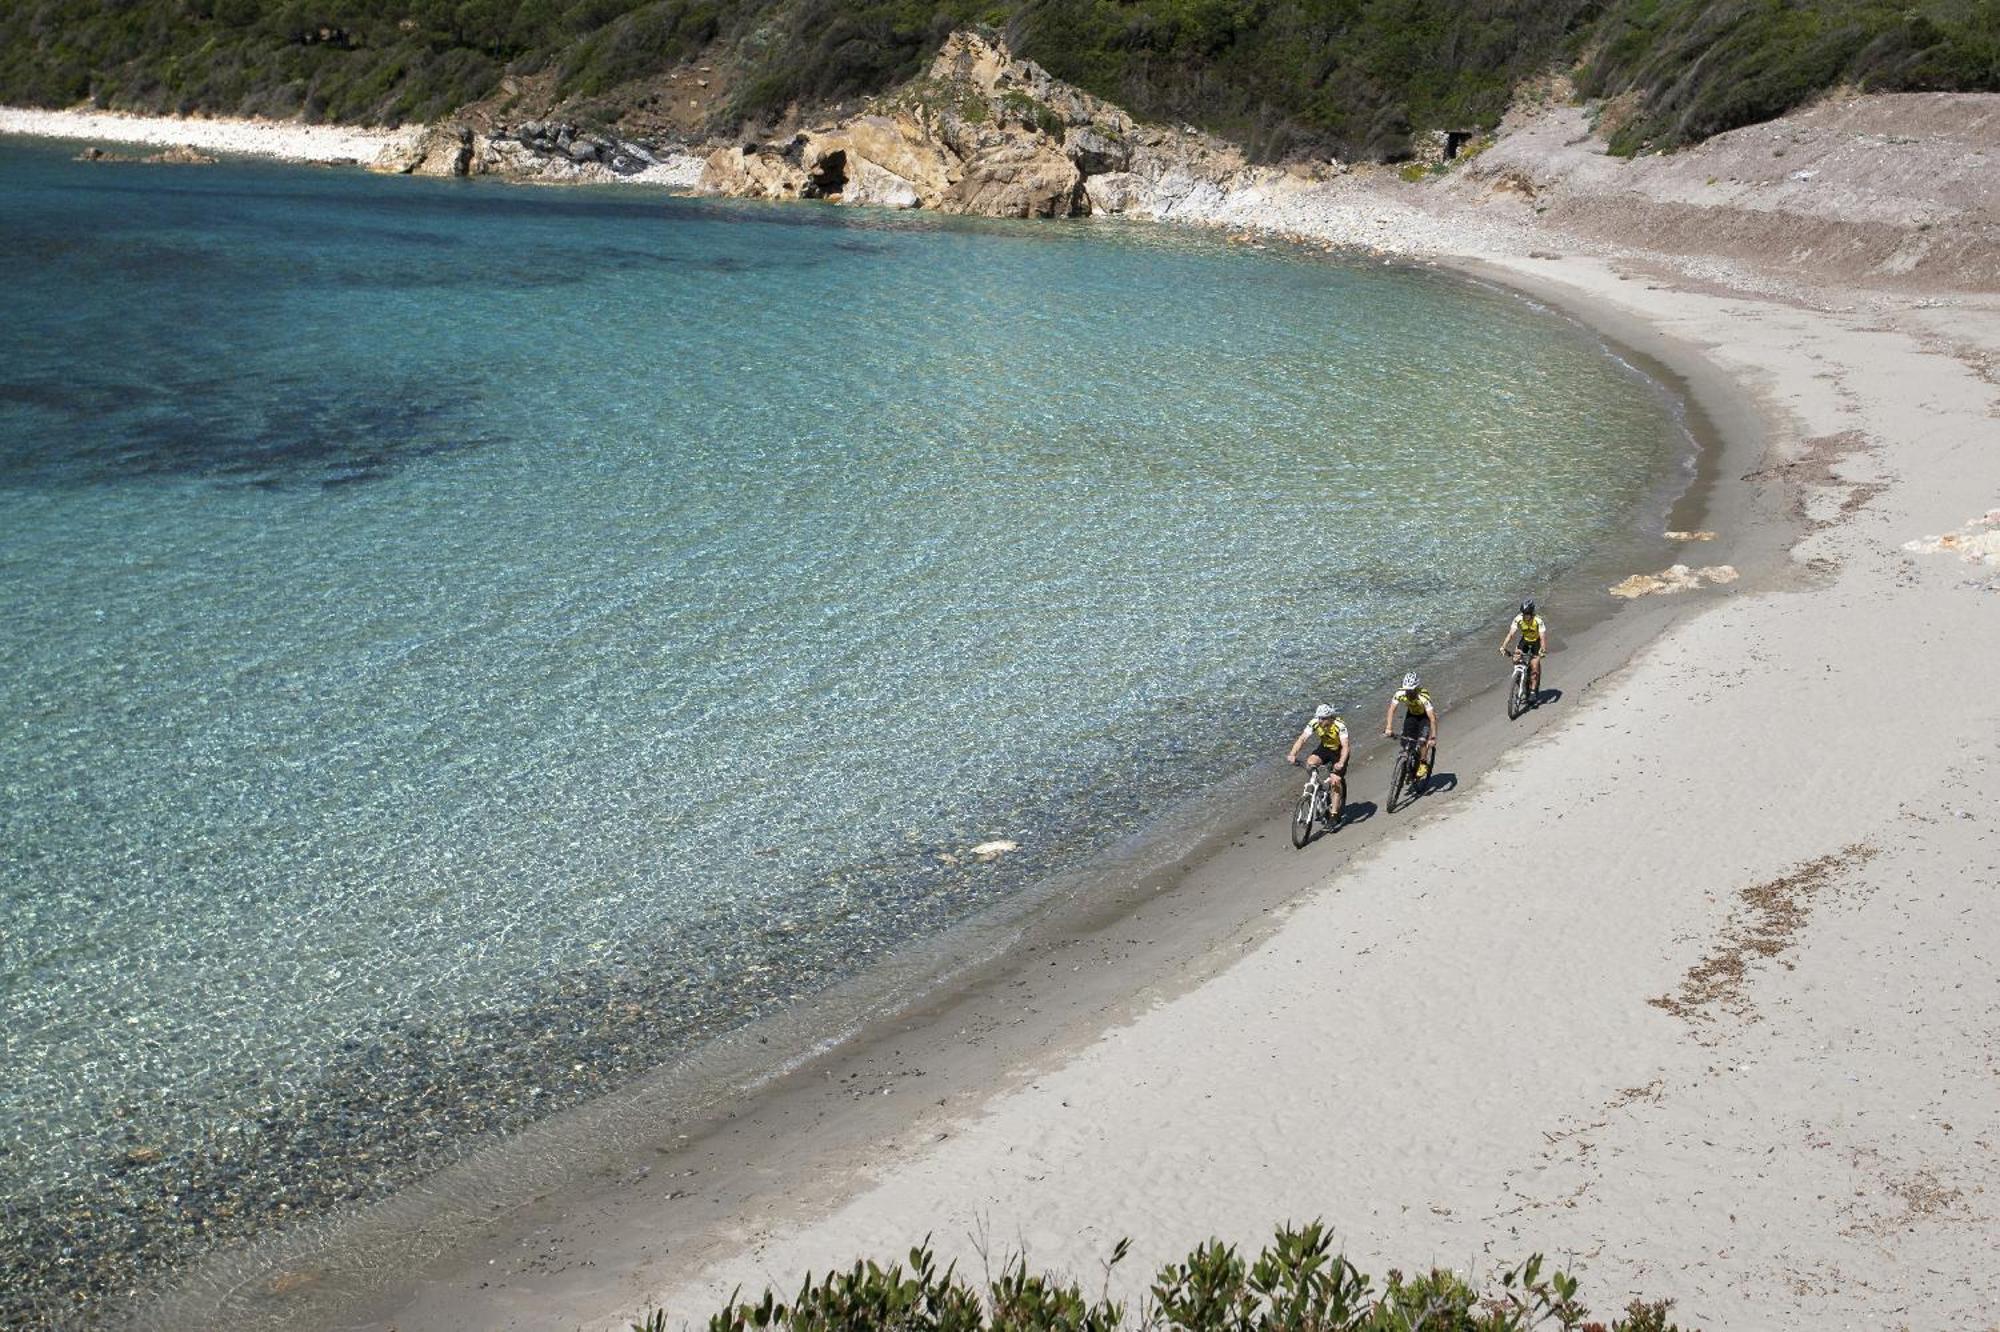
<point>465,643</point>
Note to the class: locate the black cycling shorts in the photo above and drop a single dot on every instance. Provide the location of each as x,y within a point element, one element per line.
<point>1330,757</point>
<point>1416,725</point>
<point>1534,649</point>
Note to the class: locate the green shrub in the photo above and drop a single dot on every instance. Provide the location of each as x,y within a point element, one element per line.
<point>1296,1284</point>
<point>1701,67</point>
<point>1032,113</point>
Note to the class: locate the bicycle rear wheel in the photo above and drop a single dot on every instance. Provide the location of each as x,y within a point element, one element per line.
<point>1302,820</point>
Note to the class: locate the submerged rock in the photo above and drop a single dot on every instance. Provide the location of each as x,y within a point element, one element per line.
<point>182,154</point>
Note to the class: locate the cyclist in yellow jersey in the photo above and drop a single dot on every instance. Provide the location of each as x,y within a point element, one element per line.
<point>1330,732</point>
<point>1420,719</point>
<point>1533,632</point>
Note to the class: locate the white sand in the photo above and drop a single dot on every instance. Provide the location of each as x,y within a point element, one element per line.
<point>287,140</point>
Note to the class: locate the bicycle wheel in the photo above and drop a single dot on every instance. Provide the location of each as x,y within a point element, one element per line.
<point>1302,820</point>
<point>1517,693</point>
<point>1399,780</point>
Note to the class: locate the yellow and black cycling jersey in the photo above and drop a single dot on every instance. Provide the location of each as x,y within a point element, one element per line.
<point>1530,628</point>
<point>1415,702</point>
<point>1331,733</point>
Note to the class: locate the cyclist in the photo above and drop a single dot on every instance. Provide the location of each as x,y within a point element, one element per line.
<point>1330,732</point>
<point>1420,720</point>
<point>1533,631</point>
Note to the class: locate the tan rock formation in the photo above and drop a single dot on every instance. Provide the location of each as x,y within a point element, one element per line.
<point>1018,177</point>
<point>441,150</point>
<point>970,60</point>
<point>754,172</point>
<point>980,132</point>
<point>886,160</point>
<point>1112,192</point>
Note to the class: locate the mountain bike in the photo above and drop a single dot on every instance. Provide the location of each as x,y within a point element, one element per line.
<point>1315,805</point>
<point>1518,701</point>
<point>1403,784</point>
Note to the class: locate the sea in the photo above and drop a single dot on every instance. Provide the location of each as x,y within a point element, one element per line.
<point>463,646</point>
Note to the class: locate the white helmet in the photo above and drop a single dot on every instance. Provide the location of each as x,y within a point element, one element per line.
<point>1323,711</point>
<point>1411,681</point>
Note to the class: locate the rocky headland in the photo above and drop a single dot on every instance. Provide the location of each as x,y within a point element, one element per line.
<point>1892,189</point>
<point>980,132</point>
<point>1896,190</point>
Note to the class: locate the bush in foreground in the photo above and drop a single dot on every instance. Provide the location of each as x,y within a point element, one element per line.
<point>1297,1284</point>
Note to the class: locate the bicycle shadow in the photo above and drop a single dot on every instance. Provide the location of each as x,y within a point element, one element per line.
<point>1439,782</point>
<point>1548,696</point>
<point>1357,811</point>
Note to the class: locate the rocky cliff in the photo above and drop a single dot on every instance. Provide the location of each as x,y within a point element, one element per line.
<point>980,132</point>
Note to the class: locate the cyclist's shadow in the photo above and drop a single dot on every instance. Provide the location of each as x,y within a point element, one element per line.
<point>1548,696</point>
<point>1439,782</point>
<point>1356,811</point>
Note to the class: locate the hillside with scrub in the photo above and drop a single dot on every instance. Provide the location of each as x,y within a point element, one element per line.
<point>1283,78</point>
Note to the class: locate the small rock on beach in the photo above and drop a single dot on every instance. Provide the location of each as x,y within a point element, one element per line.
<point>1674,578</point>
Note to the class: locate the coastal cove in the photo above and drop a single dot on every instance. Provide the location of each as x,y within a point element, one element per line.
<point>470,648</point>
<point>795,1113</point>
<point>1606,545</point>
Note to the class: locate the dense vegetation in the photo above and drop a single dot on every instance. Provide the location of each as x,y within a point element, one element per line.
<point>1297,1284</point>
<point>1282,76</point>
<point>1703,68</point>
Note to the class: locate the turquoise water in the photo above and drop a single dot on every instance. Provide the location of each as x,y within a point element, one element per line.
<point>466,643</point>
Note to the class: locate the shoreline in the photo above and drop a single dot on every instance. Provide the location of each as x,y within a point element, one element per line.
<point>1100,1118</point>
<point>963,980</point>
<point>1056,1108</point>
<point>1219,917</point>
<point>921,973</point>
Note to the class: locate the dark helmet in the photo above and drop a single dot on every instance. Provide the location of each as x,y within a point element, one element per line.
<point>1528,606</point>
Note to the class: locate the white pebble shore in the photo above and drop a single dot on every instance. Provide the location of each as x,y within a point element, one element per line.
<point>284,139</point>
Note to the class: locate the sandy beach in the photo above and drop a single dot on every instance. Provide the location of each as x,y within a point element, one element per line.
<point>1689,981</point>
<point>1686,979</point>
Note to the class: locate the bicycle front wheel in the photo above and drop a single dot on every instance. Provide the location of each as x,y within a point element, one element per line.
<point>1302,821</point>
<point>1517,694</point>
<point>1399,780</point>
